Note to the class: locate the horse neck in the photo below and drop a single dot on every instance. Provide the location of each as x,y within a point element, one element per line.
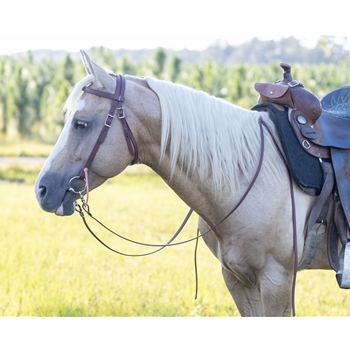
<point>187,185</point>
<point>148,128</point>
<point>190,181</point>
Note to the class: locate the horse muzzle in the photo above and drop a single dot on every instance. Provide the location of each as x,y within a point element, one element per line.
<point>53,200</point>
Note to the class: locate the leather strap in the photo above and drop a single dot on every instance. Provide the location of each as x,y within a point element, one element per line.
<point>116,106</point>
<point>315,215</point>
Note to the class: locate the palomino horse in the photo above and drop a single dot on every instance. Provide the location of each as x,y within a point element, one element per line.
<point>209,152</point>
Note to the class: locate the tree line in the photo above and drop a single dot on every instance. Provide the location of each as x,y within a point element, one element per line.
<point>33,93</point>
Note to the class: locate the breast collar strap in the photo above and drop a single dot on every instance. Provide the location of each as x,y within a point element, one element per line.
<point>116,107</point>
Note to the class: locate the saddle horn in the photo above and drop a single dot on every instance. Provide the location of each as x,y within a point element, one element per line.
<point>287,75</point>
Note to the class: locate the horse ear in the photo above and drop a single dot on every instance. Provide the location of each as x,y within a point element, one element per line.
<point>86,61</point>
<point>101,77</point>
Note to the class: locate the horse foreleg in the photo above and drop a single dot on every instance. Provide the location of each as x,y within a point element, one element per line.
<point>266,298</point>
<point>275,285</point>
<point>247,299</point>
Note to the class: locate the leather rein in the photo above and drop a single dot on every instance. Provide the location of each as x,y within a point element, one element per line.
<point>117,106</point>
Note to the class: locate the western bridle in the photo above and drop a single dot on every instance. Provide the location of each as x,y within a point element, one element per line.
<point>117,106</point>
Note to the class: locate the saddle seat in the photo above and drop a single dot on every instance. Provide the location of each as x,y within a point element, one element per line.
<point>332,128</point>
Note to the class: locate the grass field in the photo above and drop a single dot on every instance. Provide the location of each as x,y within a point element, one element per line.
<point>52,266</point>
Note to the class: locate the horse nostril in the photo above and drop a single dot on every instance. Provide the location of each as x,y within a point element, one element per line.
<point>42,191</point>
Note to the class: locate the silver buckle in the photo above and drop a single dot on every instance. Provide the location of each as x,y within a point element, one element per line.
<point>121,109</point>
<point>306,144</point>
<point>111,116</point>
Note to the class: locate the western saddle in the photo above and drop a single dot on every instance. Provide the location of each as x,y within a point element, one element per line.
<point>322,130</point>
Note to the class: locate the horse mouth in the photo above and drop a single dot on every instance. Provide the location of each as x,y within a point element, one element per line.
<point>67,206</point>
<point>63,208</point>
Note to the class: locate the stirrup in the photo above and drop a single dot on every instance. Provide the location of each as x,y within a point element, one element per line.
<point>343,274</point>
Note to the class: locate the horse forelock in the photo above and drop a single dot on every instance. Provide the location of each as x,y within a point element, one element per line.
<point>208,135</point>
<point>71,104</point>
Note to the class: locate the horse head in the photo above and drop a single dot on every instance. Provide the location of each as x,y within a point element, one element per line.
<point>85,116</point>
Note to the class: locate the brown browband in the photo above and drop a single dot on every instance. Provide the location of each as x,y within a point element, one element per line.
<point>117,105</point>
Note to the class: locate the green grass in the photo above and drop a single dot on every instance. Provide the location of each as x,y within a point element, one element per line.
<point>52,266</point>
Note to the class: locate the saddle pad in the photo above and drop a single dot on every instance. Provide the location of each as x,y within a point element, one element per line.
<point>305,169</point>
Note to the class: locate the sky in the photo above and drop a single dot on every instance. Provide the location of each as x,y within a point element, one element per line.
<point>136,24</point>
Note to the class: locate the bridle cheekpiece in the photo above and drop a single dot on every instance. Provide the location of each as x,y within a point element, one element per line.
<point>116,108</point>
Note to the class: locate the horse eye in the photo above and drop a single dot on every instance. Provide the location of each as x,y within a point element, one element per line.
<point>80,125</point>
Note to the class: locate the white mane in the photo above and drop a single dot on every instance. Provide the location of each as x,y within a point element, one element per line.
<point>203,133</point>
<point>207,134</point>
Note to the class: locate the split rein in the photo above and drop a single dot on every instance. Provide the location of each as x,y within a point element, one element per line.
<point>117,106</point>
<point>85,208</point>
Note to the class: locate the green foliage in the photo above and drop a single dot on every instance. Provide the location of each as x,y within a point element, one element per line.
<point>175,68</point>
<point>159,62</point>
<point>33,93</point>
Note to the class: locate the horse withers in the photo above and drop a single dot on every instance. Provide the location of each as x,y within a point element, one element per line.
<point>209,152</point>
